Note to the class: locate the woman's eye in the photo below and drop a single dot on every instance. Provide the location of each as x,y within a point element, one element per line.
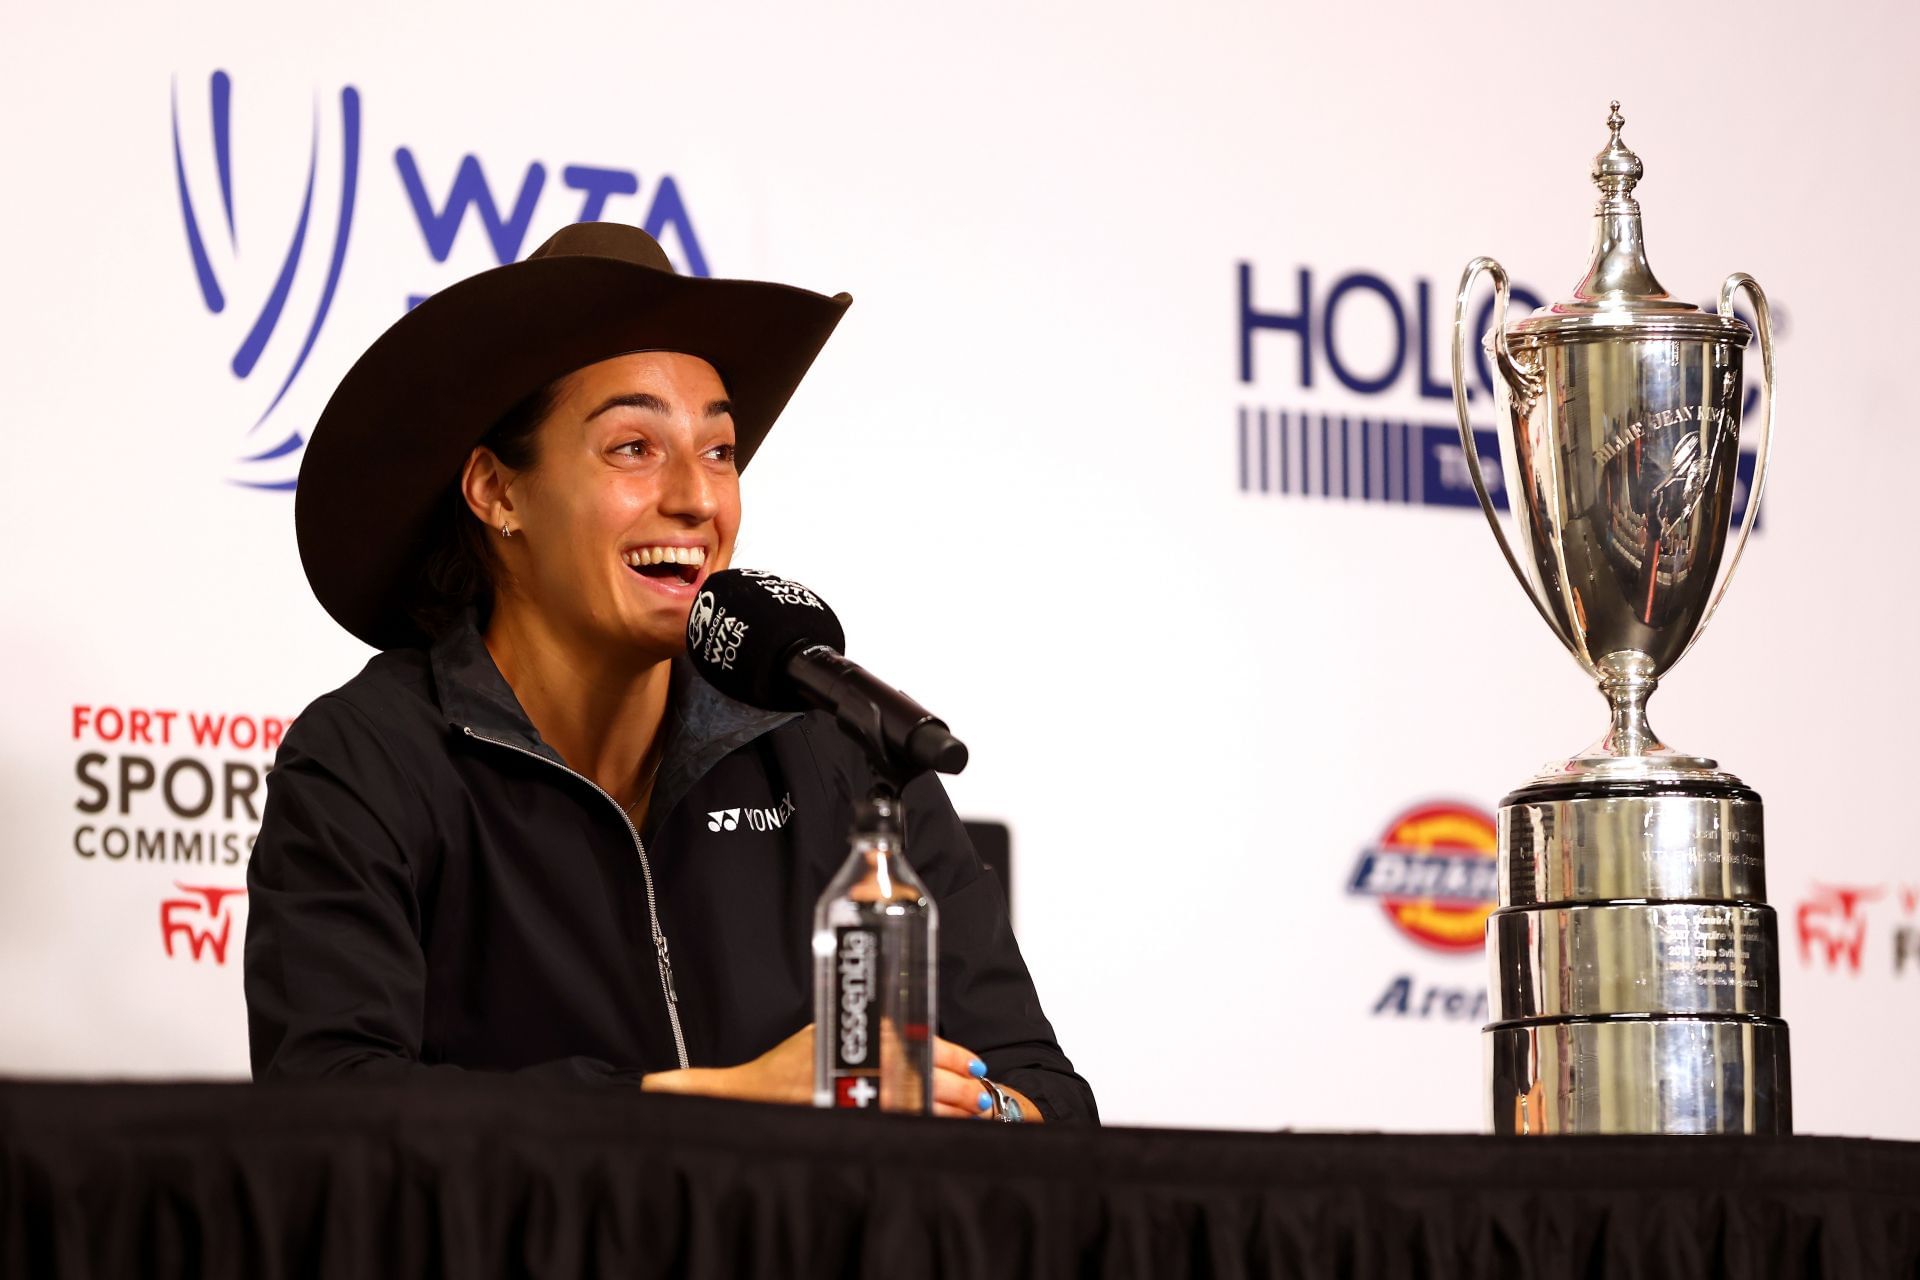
<point>634,448</point>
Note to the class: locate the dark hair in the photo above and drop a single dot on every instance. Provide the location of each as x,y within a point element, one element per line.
<point>457,568</point>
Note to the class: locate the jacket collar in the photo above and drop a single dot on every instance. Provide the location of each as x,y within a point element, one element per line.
<point>703,725</point>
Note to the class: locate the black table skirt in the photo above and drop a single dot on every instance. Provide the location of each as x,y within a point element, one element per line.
<point>490,1178</point>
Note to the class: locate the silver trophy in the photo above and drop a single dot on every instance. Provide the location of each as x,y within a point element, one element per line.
<point>1635,982</point>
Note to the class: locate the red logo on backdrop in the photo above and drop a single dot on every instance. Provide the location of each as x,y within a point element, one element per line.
<point>1833,926</point>
<point>204,921</point>
<point>1833,919</point>
<point>1435,873</point>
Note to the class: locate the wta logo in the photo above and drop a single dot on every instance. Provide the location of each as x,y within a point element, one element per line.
<point>267,239</point>
<point>1435,874</point>
<point>712,629</point>
<point>271,338</point>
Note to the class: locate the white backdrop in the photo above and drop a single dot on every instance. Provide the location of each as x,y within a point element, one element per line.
<point>1017,470</point>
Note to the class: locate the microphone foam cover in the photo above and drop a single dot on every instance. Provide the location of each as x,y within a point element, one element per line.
<point>744,626</point>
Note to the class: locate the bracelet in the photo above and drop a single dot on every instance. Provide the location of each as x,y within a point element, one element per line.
<point>1006,1107</point>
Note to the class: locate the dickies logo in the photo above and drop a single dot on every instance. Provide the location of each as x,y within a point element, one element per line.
<point>757,819</point>
<point>1435,874</point>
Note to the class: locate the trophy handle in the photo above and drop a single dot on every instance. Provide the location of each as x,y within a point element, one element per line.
<point>1763,323</point>
<point>1516,379</point>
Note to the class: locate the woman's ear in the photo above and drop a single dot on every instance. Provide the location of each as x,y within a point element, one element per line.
<point>484,482</point>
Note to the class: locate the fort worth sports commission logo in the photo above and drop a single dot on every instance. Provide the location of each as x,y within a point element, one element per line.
<point>1434,874</point>
<point>1840,925</point>
<point>173,796</point>
<point>270,333</point>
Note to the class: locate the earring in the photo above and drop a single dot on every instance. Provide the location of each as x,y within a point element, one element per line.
<point>504,531</point>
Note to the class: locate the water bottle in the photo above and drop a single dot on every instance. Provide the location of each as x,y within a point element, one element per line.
<point>873,973</point>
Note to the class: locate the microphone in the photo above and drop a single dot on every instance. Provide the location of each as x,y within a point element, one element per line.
<point>771,643</point>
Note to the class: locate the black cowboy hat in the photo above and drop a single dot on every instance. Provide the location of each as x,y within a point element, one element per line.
<point>403,420</point>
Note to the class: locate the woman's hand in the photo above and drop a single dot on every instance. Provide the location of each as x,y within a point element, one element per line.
<point>958,1090</point>
<point>784,1073</point>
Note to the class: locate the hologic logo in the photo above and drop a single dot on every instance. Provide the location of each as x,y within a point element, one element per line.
<point>275,332</point>
<point>1381,343</point>
<point>261,448</point>
<point>713,630</point>
<point>782,589</point>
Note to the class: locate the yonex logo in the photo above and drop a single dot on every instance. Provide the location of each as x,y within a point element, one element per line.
<point>761,819</point>
<point>213,233</point>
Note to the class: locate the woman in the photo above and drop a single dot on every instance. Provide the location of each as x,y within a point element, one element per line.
<point>513,842</point>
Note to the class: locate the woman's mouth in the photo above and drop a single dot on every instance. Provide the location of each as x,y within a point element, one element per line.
<point>666,565</point>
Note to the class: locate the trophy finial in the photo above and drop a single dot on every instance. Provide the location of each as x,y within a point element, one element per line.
<point>1616,170</point>
<point>1618,274</point>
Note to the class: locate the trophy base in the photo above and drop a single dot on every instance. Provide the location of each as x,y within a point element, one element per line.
<point>1640,1076</point>
<point>1639,959</point>
<point>1597,769</point>
<point>1635,974</point>
<point>1584,840</point>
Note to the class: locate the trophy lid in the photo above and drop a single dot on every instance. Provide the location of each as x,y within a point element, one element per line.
<point>1619,291</point>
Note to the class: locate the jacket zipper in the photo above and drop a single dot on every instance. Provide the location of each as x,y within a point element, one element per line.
<point>665,962</point>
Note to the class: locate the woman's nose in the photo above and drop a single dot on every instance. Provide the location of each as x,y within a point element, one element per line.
<point>689,489</point>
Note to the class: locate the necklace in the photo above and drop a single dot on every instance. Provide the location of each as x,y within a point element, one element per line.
<point>646,788</point>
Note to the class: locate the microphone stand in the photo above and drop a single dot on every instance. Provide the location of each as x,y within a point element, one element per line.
<point>902,738</point>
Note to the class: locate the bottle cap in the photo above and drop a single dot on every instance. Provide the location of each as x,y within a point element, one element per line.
<point>879,814</point>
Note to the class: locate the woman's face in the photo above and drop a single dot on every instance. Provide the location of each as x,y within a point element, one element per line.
<point>633,500</point>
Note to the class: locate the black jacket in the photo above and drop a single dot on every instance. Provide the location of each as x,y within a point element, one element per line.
<point>434,889</point>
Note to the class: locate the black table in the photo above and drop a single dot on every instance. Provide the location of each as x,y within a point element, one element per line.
<point>489,1177</point>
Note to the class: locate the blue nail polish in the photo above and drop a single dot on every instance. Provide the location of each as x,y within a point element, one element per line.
<point>986,1102</point>
<point>978,1068</point>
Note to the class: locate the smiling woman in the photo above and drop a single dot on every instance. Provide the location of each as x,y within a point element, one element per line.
<point>630,481</point>
<point>474,853</point>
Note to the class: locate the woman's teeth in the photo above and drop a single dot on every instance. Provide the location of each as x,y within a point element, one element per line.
<point>667,564</point>
<point>643,556</point>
